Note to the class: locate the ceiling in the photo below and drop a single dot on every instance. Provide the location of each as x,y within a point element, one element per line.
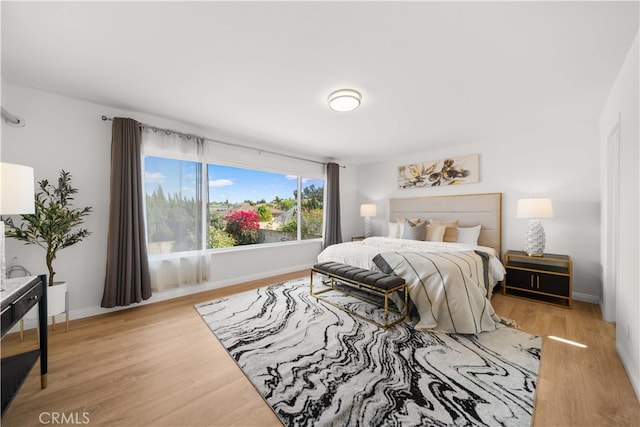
<point>431,74</point>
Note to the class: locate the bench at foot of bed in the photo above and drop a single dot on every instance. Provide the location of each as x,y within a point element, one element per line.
<point>372,287</point>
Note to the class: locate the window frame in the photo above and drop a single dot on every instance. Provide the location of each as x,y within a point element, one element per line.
<point>203,214</point>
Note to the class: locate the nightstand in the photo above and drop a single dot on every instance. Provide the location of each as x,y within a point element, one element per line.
<point>546,278</point>
<point>357,238</point>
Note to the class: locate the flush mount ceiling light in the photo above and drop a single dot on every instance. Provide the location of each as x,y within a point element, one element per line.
<point>344,100</point>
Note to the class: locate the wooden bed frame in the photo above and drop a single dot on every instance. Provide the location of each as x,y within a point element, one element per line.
<point>468,209</point>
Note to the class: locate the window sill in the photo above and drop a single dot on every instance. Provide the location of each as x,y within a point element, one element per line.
<point>241,248</point>
<point>263,246</point>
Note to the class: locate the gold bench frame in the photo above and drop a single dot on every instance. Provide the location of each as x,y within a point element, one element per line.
<point>330,283</point>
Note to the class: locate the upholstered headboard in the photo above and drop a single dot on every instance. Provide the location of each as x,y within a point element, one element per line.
<point>468,209</point>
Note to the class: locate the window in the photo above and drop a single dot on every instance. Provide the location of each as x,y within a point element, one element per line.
<point>172,206</point>
<point>312,213</point>
<point>241,206</point>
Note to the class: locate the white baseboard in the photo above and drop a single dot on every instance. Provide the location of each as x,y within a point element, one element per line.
<point>166,295</point>
<point>194,289</point>
<point>593,299</point>
<point>628,367</point>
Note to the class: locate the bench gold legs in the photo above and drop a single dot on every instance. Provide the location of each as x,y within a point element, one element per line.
<point>330,285</point>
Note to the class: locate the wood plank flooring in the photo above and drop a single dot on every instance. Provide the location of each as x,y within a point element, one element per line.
<point>159,365</point>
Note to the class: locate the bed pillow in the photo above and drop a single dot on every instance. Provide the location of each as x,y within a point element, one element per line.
<point>435,233</point>
<point>400,225</point>
<point>414,232</point>
<point>412,221</point>
<point>469,234</point>
<point>452,229</point>
<point>394,230</point>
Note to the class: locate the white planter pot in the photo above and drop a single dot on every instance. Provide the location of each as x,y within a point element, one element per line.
<point>57,298</point>
<point>56,301</point>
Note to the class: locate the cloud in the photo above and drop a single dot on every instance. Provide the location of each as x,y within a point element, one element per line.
<point>217,183</point>
<point>304,180</point>
<point>154,177</point>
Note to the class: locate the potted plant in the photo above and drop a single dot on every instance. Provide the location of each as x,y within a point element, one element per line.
<point>53,226</point>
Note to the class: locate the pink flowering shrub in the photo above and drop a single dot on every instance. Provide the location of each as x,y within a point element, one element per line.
<point>243,226</point>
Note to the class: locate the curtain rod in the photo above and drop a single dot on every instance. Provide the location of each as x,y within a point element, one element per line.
<point>231,144</point>
<point>12,119</point>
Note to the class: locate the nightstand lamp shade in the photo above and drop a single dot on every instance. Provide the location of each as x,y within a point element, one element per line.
<point>533,209</point>
<point>367,211</point>
<point>16,197</point>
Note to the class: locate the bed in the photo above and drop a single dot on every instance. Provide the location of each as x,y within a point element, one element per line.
<point>451,278</point>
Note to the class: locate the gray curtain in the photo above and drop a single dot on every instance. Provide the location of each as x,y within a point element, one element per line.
<point>127,278</point>
<point>332,227</point>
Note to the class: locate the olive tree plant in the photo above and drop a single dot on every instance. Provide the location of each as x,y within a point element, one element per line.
<point>55,224</point>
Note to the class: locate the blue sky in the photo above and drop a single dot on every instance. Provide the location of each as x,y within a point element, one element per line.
<point>225,183</point>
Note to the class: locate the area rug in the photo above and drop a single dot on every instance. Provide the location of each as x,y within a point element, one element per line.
<point>316,365</point>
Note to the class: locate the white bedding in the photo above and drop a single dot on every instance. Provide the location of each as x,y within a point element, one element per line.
<point>361,254</point>
<point>447,281</point>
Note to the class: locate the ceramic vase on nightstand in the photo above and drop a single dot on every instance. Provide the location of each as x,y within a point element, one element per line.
<point>535,240</point>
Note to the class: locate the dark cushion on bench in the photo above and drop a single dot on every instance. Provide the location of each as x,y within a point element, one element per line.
<point>360,275</point>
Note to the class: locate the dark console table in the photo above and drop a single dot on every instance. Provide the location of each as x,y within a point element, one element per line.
<point>17,296</point>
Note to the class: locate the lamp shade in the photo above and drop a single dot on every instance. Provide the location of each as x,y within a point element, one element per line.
<point>534,208</point>
<point>367,210</point>
<point>17,189</point>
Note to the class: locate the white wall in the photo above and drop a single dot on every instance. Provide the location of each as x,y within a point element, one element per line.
<point>351,222</point>
<point>66,133</point>
<point>556,160</point>
<point>623,102</point>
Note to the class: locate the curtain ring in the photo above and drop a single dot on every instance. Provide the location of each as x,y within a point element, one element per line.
<point>168,132</point>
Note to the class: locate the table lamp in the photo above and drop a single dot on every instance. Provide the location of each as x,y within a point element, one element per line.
<point>367,211</point>
<point>16,197</point>
<point>534,209</point>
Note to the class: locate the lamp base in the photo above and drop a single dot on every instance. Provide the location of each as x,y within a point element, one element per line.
<point>535,239</point>
<point>367,226</point>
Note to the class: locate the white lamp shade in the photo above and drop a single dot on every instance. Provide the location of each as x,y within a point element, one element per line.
<point>17,189</point>
<point>367,210</point>
<point>534,208</point>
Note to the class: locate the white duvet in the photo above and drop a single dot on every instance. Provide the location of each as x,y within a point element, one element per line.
<point>447,282</point>
<point>361,254</point>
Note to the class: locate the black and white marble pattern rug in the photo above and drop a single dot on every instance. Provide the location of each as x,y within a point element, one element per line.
<point>316,365</point>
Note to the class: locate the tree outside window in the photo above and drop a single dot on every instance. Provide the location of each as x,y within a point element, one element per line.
<point>245,207</point>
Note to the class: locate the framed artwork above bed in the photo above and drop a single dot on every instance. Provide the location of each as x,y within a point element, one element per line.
<point>434,173</point>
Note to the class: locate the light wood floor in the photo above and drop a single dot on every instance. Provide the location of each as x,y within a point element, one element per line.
<point>159,365</point>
